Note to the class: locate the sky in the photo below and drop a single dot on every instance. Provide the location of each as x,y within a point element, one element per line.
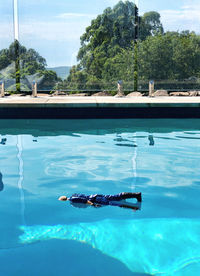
<point>53,28</point>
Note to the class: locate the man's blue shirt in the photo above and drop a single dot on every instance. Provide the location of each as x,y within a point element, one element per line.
<point>98,199</point>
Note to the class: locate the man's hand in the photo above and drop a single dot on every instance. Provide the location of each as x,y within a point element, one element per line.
<point>93,204</point>
<point>90,202</point>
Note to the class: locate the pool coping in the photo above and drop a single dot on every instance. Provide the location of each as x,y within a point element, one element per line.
<point>98,107</point>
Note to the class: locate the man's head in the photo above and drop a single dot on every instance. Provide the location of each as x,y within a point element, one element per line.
<point>63,198</point>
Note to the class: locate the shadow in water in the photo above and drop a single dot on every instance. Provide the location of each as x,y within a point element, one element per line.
<point>57,257</point>
<point>156,246</point>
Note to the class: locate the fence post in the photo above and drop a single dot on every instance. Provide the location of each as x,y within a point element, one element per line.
<point>34,89</point>
<point>120,92</point>
<point>151,88</point>
<point>2,89</point>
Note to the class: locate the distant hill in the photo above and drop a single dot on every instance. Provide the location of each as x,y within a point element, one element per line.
<point>61,71</point>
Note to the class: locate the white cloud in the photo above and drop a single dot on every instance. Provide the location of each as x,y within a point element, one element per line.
<point>58,41</point>
<point>6,31</point>
<point>61,27</point>
<point>75,15</point>
<point>6,35</point>
<point>56,31</point>
<point>112,2</point>
<point>186,18</point>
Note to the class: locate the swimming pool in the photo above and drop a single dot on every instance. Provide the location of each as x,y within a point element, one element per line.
<point>43,159</point>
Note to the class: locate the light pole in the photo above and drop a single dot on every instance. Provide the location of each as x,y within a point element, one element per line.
<point>16,44</point>
<point>136,34</point>
<point>16,19</point>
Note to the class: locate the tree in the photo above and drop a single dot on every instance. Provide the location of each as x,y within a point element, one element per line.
<point>107,50</point>
<point>150,25</point>
<point>30,64</point>
<point>174,56</point>
<point>4,58</point>
<point>107,46</point>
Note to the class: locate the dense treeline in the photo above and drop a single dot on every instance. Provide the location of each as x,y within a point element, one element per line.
<point>107,51</point>
<point>32,67</point>
<point>174,56</point>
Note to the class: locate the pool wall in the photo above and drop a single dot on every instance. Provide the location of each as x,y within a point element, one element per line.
<point>85,108</point>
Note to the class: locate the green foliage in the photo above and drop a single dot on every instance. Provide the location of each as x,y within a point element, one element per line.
<point>107,48</point>
<point>109,52</point>
<point>120,66</point>
<point>174,56</point>
<point>49,80</point>
<point>13,89</point>
<point>159,56</point>
<point>27,63</point>
<point>150,25</point>
<point>4,59</point>
<point>77,79</point>
<point>30,60</point>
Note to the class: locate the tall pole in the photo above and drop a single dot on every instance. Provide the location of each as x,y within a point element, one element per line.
<point>16,44</point>
<point>16,19</point>
<point>136,35</point>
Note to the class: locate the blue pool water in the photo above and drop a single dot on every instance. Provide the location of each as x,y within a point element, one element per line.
<point>43,159</point>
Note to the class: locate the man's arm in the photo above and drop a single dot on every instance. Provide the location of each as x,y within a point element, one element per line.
<point>93,204</point>
<point>90,202</point>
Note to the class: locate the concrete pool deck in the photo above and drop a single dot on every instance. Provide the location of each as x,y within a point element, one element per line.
<point>46,107</point>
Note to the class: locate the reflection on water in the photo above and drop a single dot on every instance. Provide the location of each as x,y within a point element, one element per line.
<point>191,133</point>
<point>3,141</point>
<point>99,127</point>
<point>126,145</point>
<point>1,182</point>
<point>151,140</point>
<point>154,246</point>
<point>122,204</point>
<point>120,139</point>
<point>166,138</point>
<point>188,137</point>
